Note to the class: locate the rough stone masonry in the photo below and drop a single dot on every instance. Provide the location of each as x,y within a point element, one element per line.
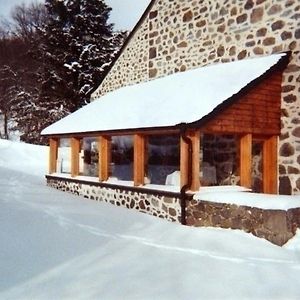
<point>178,35</point>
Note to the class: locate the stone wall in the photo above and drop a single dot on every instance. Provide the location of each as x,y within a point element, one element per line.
<point>276,226</point>
<point>178,35</point>
<point>131,67</point>
<point>165,207</point>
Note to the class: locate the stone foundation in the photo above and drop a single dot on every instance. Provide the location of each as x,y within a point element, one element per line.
<point>276,226</point>
<point>161,205</point>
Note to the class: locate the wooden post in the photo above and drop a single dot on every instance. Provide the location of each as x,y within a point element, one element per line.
<point>99,140</point>
<point>75,149</point>
<point>270,168</point>
<point>194,136</point>
<point>53,148</point>
<point>184,154</point>
<point>146,154</point>
<point>246,160</point>
<point>139,160</point>
<point>104,157</point>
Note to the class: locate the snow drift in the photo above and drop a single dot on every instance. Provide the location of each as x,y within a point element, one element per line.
<point>58,246</point>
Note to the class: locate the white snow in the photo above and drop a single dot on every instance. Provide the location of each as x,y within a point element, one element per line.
<point>74,66</point>
<point>294,243</point>
<point>23,157</point>
<point>116,181</point>
<point>239,196</point>
<point>183,97</point>
<point>125,183</point>
<point>230,194</point>
<point>55,245</point>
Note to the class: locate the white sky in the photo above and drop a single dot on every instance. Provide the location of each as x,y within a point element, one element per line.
<point>125,13</point>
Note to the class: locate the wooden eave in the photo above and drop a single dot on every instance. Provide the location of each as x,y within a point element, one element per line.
<point>146,131</point>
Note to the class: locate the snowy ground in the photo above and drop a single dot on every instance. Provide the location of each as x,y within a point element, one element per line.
<point>59,246</point>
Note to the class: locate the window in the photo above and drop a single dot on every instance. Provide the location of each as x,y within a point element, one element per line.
<point>122,157</point>
<point>257,166</point>
<point>64,156</point>
<point>89,157</point>
<point>163,159</point>
<point>218,160</point>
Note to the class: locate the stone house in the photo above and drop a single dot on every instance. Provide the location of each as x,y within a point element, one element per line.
<point>178,35</point>
<point>248,134</point>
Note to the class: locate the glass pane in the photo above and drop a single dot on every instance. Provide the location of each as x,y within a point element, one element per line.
<point>163,159</point>
<point>122,157</point>
<point>64,156</point>
<point>89,157</point>
<point>218,160</point>
<point>257,180</point>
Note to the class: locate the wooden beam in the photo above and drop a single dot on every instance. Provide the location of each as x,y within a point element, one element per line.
<point>75,149</point>
<point>270,167</point>
<point>53,148</point>
<point>246,160</point>
<point>163,131</point>
<point>184,159</point>
<point>146,154</point>
<point>139,160</point>
<point>104,157</point>
<point>99,140</point>
<point>195,137</point>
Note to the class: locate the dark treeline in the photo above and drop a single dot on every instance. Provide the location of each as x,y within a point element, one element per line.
<point>52,57</point>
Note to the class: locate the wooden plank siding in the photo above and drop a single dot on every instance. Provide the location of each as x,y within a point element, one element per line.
<point>256,111</point>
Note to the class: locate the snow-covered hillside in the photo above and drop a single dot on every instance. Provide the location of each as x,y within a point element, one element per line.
<point>58,246</point>
<point>26,158</point>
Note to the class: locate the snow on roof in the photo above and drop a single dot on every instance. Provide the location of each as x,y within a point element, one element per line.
<point>179,98</point>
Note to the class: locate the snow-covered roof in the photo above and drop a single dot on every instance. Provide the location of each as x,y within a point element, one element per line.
<point>165,102</point>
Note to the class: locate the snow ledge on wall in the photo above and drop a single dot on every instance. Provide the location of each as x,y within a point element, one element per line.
<point>242,197</point>
<point>117,182</point>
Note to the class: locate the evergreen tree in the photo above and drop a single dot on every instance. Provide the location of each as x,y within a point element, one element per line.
<point>78,46</point>
<point>51,60</point>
